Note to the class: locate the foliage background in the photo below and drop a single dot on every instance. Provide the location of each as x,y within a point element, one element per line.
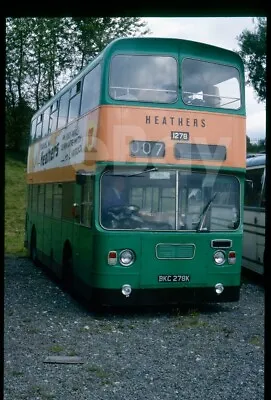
<point>43,54</point>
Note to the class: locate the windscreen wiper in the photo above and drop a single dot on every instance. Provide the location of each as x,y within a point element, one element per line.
<point>144,171</point>
<point>138,173</point>
<point>204,213</point>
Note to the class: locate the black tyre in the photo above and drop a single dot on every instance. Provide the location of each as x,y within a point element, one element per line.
<point>33,247</point>
<point>67,271</point>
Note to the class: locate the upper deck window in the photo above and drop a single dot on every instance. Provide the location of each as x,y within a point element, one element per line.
<point>74,102</point>
<point>209,84</point>
<point>91,90</point>
<point>45,122</point>
<point>33,129</point>
<point>63,110</point>
<point>143,78</point>
<point>39,127</point>
<point>53,117</point>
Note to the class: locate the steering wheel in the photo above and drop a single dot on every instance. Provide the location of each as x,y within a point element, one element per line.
<point>130,209</point>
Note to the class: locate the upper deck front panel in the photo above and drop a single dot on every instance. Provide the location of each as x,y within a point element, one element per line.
<point>188,67</point>
<point>175,132</point>
<point>183,130</point>
<point>139,134</point>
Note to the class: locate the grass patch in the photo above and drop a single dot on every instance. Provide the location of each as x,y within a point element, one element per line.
<point>188,318</point>
<point>56,349</point>
<point>33,330</point>
<point>190,322</point>
<point>256,341</point>
<point>72,353</point>
<point>99,372</point>
<point>42,393</point>
<point>17,373</point>
<point>15,203</point>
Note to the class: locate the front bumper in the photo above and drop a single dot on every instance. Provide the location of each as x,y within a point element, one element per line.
<point>150,297</point>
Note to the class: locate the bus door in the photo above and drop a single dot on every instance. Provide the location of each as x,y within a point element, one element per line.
<point>83,228</point>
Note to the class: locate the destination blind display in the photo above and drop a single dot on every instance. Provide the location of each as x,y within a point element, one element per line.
<point>143,148</point>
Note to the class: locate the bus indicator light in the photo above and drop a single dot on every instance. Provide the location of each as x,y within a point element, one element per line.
<point>232,257</point>
<point>112,258</point>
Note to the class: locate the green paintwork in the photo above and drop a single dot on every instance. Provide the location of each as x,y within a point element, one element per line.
<point>90,248</point>
<point>179,252</point>
<point>144,272</point>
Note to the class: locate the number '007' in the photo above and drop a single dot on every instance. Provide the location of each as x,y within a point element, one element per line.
<point>140,148</point>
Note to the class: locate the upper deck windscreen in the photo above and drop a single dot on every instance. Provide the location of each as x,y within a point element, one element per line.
<point>144,78</point>
<point>155,78</point>
<point>210,84</point>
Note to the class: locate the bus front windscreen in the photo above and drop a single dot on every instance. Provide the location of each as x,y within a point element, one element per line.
<point>169,200</point>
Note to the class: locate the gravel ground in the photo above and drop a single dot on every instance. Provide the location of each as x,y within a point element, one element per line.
<point>213,352</point>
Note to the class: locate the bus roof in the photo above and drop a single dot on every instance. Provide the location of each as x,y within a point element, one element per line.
<point>146,44</point>
<point>256,160</point>
<point>170,44</point>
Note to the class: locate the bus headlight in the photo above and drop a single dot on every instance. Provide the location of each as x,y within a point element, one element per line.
<point>219,257</point>
<point>126,257</point>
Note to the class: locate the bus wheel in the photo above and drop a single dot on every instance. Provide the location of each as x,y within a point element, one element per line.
<point>33,247</point>
<point>67,270</point>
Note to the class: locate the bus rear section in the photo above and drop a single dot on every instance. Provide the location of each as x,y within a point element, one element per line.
<point>176,239</point>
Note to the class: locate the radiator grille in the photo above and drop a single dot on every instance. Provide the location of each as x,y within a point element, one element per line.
<point>179,251</point>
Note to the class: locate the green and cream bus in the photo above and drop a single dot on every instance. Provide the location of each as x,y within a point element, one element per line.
<point>167,116</point>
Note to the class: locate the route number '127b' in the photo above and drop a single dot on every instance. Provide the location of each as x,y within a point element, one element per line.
<point>173,278</point>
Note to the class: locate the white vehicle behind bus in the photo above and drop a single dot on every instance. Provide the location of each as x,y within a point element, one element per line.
<point>254,214</point>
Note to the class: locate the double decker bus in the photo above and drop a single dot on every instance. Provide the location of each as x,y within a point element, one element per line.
<point>254,214</point>
<point>167,118</point>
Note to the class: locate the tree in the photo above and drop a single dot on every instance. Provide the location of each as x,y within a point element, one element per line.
<point>253,51</point>
<point>17,109</point>
<point>50,41</point>
<point>17,121</point>
<point>257,147</point>
<point>93,34</point>
<point>43,54</point>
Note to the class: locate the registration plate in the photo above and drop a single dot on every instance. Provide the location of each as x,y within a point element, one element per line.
<point>173,278</point>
